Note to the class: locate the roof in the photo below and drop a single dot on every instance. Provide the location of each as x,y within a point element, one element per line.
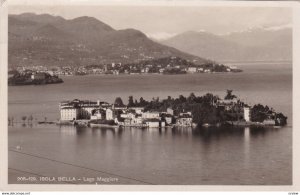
<point>65,108</point>
<point>78,102</point>
<point>228,101</point>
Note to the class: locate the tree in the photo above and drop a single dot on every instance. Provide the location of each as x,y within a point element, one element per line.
<point>24,118</point>
<point>205,113</point>
<point>280,119</point>
<point>143,102</point>
<point>259,113</point>
<point>182,99</point>
<point>130,101</point>
<point>229,95</point>
<point>192,97</point>
<point>119,102</point>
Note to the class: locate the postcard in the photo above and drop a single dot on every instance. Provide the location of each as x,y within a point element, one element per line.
<point>195,95</point>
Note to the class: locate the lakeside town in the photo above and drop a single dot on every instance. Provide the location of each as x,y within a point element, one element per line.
<point>191,111</point>
<point>169,65</point>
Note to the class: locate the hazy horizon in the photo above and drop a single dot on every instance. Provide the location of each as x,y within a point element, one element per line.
<point>160,22</point>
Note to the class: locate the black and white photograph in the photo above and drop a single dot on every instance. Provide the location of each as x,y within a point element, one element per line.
<point>150,95</point>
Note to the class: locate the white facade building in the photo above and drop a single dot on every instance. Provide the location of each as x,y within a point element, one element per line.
<point>77,109</point>
<point>168,120</point>
<point>184,121</point>
<point>68,114</point>
<point>148,115</point>
<point>170,111</point>
<point>192,69</point>
<point>138,110</point>
<point>247,114</point>
<point>109,114</point>
<point>152,124</point>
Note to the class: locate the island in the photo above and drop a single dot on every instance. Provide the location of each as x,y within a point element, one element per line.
<point>191,111</point>
<point>29,77</point>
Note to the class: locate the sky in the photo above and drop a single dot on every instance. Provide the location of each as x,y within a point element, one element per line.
<point>162,22</point>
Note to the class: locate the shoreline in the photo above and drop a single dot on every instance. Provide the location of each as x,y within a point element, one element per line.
<point>206,125</point>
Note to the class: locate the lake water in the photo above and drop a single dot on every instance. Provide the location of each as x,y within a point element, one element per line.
<point>204,156</point>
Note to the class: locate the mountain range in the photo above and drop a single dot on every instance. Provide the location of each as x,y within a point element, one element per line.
<point>252,45</point>
<point>52,40</point>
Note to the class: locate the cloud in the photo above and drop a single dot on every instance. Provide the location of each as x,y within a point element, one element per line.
<point>161,35</point>
<point>284,26</point>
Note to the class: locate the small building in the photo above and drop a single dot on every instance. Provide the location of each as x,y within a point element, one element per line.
<point>138,110</point>
<point>200,69</point>
<point>137,121</point>
<point>38,76</point>
<point>50,72</point>
<point>192,69</point>
<point>168,120</point>
<point>150,115</point>
<point>227,104</point>
<point>128,115</point>
<point>124,108</point>
<point>98,114</point>
<point>127,121</point>
<point>120,121</point>
<point>207,70</point>
<point>269,122</point>
<point>95,117</point>
<point>152,123</point>
<point>184,120</point>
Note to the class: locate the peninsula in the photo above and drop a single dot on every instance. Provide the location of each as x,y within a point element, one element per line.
<point>167,66</point>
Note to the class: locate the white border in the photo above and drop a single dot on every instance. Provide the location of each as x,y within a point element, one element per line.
<point>52,187</point>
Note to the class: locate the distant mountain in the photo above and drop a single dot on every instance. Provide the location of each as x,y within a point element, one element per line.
<point>52,40</point>
<point>251,45</point>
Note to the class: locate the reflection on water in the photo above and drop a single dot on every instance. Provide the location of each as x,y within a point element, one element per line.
<point>247,145</point>
<point>205,134</point>
<point>212,155</point>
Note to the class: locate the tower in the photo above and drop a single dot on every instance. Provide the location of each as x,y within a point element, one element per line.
<point>247,114</point>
